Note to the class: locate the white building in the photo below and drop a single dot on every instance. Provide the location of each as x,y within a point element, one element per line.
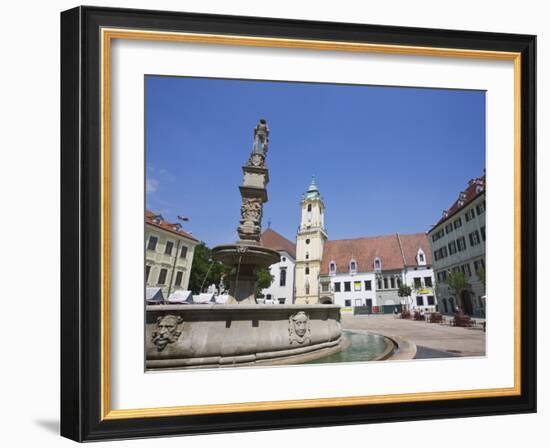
<point>281,290</point>
<point>368,272</point>
<point>458,245</point>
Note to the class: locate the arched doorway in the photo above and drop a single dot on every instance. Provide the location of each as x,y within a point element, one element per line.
<point>467,305</point>
<point>325,301</point>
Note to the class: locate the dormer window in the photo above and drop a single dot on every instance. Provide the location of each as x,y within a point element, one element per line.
<point>421,257</point>
<point>479,189</point>
<point>332,268</point>
<point>353,267</point>
<point>377,264</point>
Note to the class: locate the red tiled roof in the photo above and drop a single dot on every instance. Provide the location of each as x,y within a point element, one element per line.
<point>466,196</point>
<point>410,245</point>
<point>165,225</point>
<point>276,241</point>
<point>364,251</point>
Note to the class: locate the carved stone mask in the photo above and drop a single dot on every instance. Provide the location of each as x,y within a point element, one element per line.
<point>167,332</point>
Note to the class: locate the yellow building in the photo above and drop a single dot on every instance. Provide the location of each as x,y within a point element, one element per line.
<point>169,254</point>
<point>310,242</point>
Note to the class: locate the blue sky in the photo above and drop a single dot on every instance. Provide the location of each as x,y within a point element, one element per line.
<point>386,159</point>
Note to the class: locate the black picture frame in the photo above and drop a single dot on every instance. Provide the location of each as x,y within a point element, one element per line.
<point>81,214</point>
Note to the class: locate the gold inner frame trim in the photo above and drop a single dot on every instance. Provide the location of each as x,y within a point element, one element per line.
<point>107,35</point>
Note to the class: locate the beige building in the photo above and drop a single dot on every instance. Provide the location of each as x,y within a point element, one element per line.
<point>169,254</point>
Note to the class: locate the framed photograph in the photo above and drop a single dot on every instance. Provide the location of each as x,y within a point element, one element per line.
<point>274,223</point>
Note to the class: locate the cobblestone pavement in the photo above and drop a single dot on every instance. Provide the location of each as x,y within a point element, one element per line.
<point>432,340</point>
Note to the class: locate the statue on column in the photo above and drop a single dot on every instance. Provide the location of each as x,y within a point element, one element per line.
<point>261,141</point>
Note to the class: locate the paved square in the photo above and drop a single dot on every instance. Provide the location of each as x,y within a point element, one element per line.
<point>432,340</point>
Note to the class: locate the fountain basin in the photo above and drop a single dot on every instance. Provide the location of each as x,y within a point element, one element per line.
<point>192,336</point>
<point>251,255</point>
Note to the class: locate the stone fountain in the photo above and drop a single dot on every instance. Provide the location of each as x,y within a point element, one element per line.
<point>247,255</point>
<point>241,331</point>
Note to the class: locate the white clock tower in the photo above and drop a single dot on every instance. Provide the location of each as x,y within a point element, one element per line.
<point>310,242</point>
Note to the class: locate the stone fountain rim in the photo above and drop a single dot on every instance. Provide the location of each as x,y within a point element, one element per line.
<point>237,307</point>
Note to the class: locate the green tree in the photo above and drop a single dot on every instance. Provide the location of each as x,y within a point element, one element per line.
<point>204,270</point>
<point>458,283</point>
<point>264,279</point>
<point>404,291</point>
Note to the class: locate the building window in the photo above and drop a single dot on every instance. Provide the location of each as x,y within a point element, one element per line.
<point>147,271</point>
<point>461,244</point>
<point>385,282</point>
<point>347,302</point>
<point>449,228</point>
<point>268,297</point>
<point>379,282</point>
<point>467,270</point>
<point>281,300</point>
<point>368,285</point>
<point>347,286</point>
<point>417,282</point>
<point>307,255</point>
<point>457,223</point>
<point>427,281</point>
<point>482,230</point>
<point>357,286</point>
<point>324,287</point>
<point>419,301</point>
<point>307,288</point>
<point>332,268</point>
<point>152,243</point>
<point>307,270</point>
<point>358,302</point>
<point>183,253</point>
<point>283,259</point>
<point>474,238</point>
<point>169,247</point>
<point>392,282</point>
<point>162,276</point>
<point>179,278</point>
<point>308,241</point>
<point>377,264</point>
<point>282,277</point>
<point>470,214</point>
<point>398,282</point>
<point>309,207</point>
<point>480,208</point>
<point>353,267</point>
<point>476,266</point>
<point>337,287</point>
<point>452,247</point>
<point>431,300</point>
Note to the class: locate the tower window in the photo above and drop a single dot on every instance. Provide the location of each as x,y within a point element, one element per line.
<point>309,207</point>
<point>307,270</point>
<point>282,277</point>
<point>308,241</point>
